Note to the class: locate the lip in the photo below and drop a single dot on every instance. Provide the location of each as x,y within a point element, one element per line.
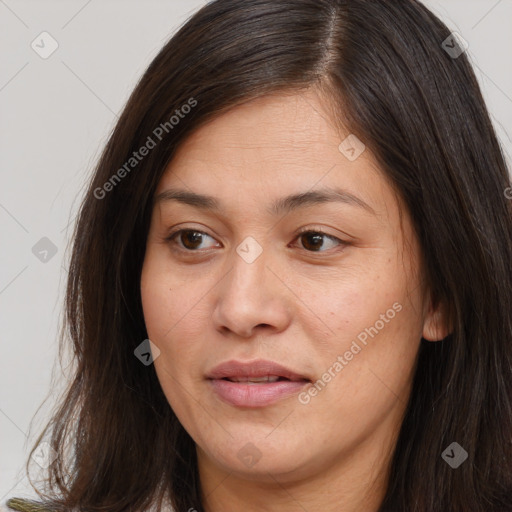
<point>246,394</point>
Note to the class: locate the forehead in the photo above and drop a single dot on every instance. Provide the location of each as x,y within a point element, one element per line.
<point>283,126</point>
<point>272,145</point>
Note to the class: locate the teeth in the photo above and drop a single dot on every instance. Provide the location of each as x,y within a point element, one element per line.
<point>255,380</point>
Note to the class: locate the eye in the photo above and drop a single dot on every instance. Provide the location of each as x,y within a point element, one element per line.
<point>189,239</point>
<point>318,241</point>
<point>193,240</point>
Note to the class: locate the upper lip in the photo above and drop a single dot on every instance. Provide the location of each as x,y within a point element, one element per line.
<point>257,368</point>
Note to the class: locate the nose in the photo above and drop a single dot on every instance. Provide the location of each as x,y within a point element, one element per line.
<point>250,299</point>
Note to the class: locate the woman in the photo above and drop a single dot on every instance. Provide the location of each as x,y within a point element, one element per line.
<point>290,285</point>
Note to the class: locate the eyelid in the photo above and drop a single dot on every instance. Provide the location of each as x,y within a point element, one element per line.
<point>320,231</point>
<point>173,234</point>
<point>316,229</point>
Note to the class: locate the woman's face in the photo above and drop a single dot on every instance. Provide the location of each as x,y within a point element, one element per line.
<point>274,251</point>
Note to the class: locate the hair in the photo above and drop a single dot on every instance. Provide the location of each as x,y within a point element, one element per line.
<point>383,69</point>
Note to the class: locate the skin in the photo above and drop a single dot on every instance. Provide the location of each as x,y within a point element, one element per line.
<point>294,305</point>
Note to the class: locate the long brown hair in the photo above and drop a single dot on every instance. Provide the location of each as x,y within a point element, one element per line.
<point>419,109</point>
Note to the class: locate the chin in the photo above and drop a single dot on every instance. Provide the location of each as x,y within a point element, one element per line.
<point>262,461</point>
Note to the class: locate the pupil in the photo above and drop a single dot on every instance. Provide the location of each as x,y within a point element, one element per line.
<point>316,239</point>
<point>194,237</point>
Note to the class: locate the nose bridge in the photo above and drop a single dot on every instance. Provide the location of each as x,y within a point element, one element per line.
<point>249,269</point>
<point>248,279</point>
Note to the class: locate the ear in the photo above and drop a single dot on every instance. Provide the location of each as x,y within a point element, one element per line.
<point>436,325</point>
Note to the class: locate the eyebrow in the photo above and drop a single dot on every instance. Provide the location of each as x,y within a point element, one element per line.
<point>280,206</point>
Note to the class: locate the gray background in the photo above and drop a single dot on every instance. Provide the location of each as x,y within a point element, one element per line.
<point>56,114</point>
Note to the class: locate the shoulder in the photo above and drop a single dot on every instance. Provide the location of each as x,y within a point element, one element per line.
<point>23,505</point>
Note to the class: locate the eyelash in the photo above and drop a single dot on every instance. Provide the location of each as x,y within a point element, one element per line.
<point>171,239</point>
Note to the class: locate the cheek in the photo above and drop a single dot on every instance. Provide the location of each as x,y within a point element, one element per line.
<point>363,385</point>
<point>377,362</point>
<point>368,358</point>
<point>351,301</point>
<point>171,313</point>
<point>164,299</point>
<point>175,314</point>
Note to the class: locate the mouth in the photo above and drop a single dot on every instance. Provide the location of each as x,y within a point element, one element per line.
<point>258,380</point>
<point>256,383</point>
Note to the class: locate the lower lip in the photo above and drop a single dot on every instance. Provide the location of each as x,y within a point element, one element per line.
<point>242,394</point>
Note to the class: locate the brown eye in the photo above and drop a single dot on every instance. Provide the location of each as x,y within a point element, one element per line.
<point>189,240</point>
<point>315,241</point>
<point>312,241</point>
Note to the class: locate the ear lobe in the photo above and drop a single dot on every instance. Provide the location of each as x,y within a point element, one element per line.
<point>436,325</point>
